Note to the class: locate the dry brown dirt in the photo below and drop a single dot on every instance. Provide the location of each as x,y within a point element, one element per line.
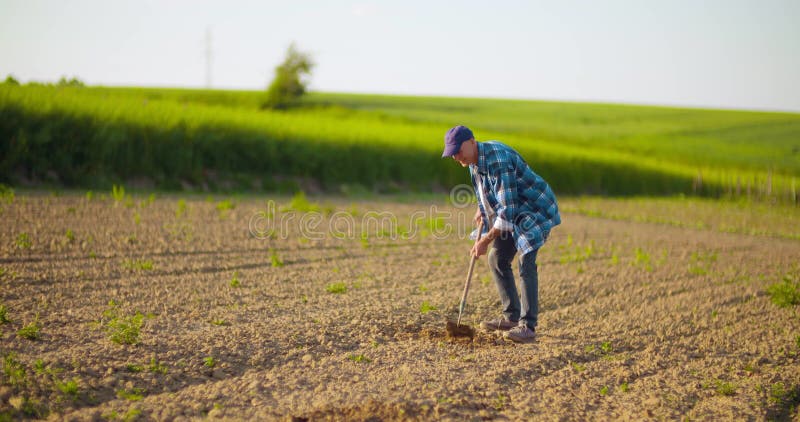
<point>638,320</point>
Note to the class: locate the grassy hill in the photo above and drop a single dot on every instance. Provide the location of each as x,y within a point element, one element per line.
<point>98,136</point>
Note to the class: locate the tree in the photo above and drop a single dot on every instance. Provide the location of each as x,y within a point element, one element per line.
<point>289,83</point>
<point>74,82</point>
<point>11,80</point>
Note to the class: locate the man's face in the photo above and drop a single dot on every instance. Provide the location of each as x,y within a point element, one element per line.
<point>467,155</point>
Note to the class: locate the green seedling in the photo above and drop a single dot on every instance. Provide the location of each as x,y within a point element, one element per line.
<point>89,196</point>
<point>133,394</point>
<point>725,388</point>
<point>643,260</point>
<point>219,322</point>
<point>624,387</point>
<point>785,293</point>
<point>209,362</point>
<point>4,315</point>
<point>359,358</point>
<point>578,367</point>
<point>275,259</point>
<point>426,307</point>
<point>23,241</point>
<point>32,331</point>
<point>69,388</point>
<point>131,367</point>
<point>122,329</point>
<point>39,367</point>
<point>118,193</point>
<point>336,288</point>
<point>300,203</point>
<point>224,207</point>
<point>157,367</point>
<point>500,402</point>
<point>137,264</point>
<point>604,390</point>
<point>180,211</point>
<point>69,235</point>
<point>137,219</point>
<point>6,194</point>
<point>14,370</point>
<point>235,280</point>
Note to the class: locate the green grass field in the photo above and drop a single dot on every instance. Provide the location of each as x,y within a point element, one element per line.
<point>93,137</point>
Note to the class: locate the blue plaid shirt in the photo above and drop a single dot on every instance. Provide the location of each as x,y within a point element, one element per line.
<point>522,201</point>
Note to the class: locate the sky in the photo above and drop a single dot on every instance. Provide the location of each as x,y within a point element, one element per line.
<point>710,53</point>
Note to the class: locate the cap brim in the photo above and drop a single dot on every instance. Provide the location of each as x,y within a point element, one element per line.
<point>450,150</point>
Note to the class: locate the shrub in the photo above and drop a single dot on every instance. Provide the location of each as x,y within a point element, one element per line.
<point>288,84</point>
<point>785,293</point>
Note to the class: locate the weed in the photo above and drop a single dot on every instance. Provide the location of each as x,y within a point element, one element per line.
<point>364,240</point>
<point>578,367</point>
<point>235,280</point>
<point>606,347</point>
<point>642,259</point>
<point>132,394</point>
<point>624,387</point>
<point>499,402</point>
<point>209,362</point>
<point>785,293</point>
<point>336,288</point>
<point>359,358</point>
<point>614,258</point>
<point>69,388</point>
<point>157,367</point>
<point>4,315</point>
<point>137,264</point>
<point>422,288</point>
<point>426,307</point>
<point>118,193</point>
<point>131,415</point>
<point>604,390</point>
<point>275,259</point>
<point>134,368</point>
<point>13,370</point>
<point>33,408</point>
<point>122,329</point>
<point>224,207</point>
<point>32,331</point>
<point>23,241</point>
<point>725,388</point>
<point>38,367</point>
<point>300,203</point>
<point>303,299</point>
<point>69,235</point>
<point>180,211</point>
<point>89,196</point>
<point>6,194</point>
<point>485,280</point>
<point>219,322</point>
<point>137,219</point>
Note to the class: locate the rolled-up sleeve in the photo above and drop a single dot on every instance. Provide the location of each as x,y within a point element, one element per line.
<point>507,206</point>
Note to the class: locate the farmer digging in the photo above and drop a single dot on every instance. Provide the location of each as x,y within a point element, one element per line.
<point>518,210</point>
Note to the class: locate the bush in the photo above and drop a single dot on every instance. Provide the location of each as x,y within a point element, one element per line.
<point>785,293</point>
<point>288,85</point>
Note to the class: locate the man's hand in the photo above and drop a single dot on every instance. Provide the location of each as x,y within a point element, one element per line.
<point>480,247</point>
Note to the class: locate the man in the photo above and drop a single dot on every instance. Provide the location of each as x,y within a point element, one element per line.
<point>518,209</point>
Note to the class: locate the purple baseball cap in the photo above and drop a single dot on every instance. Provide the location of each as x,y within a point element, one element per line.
<point>454,138</point>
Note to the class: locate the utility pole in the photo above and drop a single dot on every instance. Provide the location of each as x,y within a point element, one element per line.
<point>208,57</point>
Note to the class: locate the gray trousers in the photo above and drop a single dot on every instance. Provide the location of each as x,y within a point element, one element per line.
<point>516,307</point>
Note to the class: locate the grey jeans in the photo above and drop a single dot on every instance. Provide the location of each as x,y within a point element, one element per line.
<point>500,256</point>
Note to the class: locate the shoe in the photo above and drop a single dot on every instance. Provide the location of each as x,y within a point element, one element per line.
<point>520,334</point>
<point>500,324</point>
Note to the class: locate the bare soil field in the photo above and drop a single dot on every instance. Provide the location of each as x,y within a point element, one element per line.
<point>174,309</point>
